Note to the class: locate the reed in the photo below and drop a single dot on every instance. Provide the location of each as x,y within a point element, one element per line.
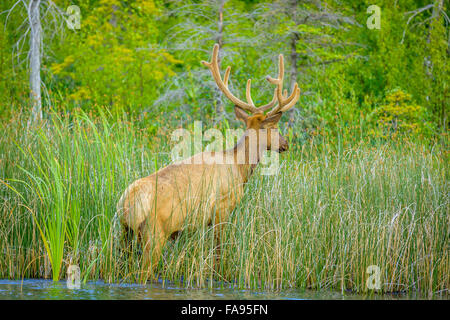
<point>333,210</point>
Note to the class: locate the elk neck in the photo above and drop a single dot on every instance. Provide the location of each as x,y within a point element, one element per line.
<point>247,154</point>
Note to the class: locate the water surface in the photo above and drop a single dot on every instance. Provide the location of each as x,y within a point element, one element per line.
<point>47,289</point>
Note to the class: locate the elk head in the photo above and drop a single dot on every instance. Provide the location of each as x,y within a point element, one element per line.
<point>255,117</point>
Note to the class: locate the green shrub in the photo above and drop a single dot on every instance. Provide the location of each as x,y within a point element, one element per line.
<point>399,115</point>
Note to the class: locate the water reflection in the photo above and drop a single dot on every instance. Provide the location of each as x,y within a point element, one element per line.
<point>47,289</point>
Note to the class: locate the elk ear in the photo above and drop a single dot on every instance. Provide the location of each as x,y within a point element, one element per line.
<point>272,119</point>
<point>240,114</point>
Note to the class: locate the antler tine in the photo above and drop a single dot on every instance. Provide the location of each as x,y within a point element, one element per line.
<point>275,99</point>
<point>279,81</point>
<point>227,75</point>
<point>284,102</point>
<point>270,104</point>
<point>279,85</point>
<point>293,101</point>
<point>289,99</point>
<point>295,96</point>
<point>223,85</point>
<point>248,93</point>
<point>277,95</point>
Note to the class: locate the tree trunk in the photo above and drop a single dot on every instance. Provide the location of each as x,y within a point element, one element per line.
<point>35,60</point>
<point>436,15</point>
<point>293,58</point>
<point>429,69</point>
<point>219,40</point>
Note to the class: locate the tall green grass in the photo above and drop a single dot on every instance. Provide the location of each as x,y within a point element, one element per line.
<point>332,211</point>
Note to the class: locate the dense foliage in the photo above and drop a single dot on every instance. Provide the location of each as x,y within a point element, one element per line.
<point>143,56</point>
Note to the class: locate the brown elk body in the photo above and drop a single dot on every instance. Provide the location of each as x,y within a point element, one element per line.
<point>205,188</point>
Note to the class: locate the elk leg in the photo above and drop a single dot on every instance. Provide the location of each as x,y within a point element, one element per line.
<point>218,238</point>
<point>153,240</point>
<point>126,238</point>
<point>219,228</point>
<point>222,213</point>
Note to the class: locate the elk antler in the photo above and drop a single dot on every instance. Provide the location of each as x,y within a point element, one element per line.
<point>284,102</point>
<point>223,85</point>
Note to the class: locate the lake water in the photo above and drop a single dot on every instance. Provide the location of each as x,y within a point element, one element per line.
<point>47,289</point>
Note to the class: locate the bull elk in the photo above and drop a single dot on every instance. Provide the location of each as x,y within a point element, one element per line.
<point>202,190</point>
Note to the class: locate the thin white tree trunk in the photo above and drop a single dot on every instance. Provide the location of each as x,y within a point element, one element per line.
<point>219,40</point>
<point>293,57</point>
<point>35,59</point>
